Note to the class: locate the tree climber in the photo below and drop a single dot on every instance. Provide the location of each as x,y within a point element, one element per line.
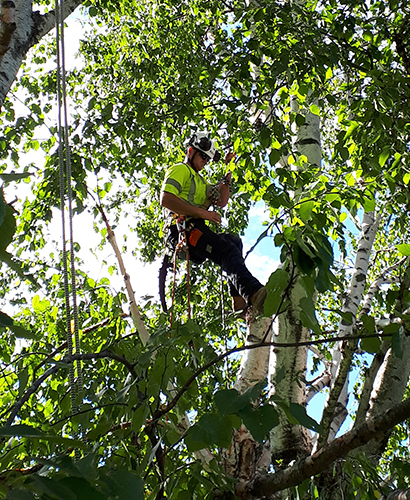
<point>185,193</point>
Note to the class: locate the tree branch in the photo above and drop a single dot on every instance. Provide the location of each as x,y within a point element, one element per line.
<point>165,409</point>
<point>67,360</point>
<point>320,461</point>
<point>46,22</point>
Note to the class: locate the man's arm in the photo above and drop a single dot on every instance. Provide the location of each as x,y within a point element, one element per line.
<point>181,207</point>
<point>224,189</point>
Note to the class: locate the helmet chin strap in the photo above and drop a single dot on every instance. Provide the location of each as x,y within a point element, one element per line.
<point>191,160</point>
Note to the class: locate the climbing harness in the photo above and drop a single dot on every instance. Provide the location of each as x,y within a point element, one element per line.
<point>63,133</point>
<point>181,250</point>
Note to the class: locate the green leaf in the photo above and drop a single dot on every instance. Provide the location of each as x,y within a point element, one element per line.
<point>5,320</point>
<point>18,494</point>
<point>384,156</point>
<point>230,401</point>
<point>369,323</point>
<point>344,153</point>
<point>276,285</point>
<point>314,109</point>
<point>125,485</point>
<point>81,488</point>
<point>308,314</point>
<point>274,157</point>
<point>305,209</point>
<point>23,379</point>
<point>370,345</point>
<point>8,228</point>
<point>139,417</point>
<point>22,333</point>
<point>210,430</point>
<point>369,204</point>
<point>184,495</point>
<point>404,249</point>
<point>14,177</point>
<point>299,412</point>
<point>300,120</point>
<point>259,421</point>
<point>391,328</point>
<point>351,129</point>
<point>49,488</point>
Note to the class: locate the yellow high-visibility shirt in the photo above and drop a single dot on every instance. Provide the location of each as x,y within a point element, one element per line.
<point>182,181</point>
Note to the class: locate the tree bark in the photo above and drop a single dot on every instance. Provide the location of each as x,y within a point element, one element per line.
<point>289,441</point>
<point>29,28</point>
<point>318,462</point>
<point>245,455</point>
<point>339,369</point>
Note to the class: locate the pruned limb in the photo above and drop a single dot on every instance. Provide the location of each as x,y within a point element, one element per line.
<point>321,459</point>
<point>134,311</point>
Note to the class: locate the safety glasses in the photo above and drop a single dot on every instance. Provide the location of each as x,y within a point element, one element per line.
<point>204,156</point>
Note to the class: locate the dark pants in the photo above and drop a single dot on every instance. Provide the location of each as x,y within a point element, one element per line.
<point>223,249</point>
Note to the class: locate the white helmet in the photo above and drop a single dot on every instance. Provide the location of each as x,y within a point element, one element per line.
<point>202,142</point>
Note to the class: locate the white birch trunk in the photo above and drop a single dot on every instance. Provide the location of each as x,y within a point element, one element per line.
<point>254,362</point>
<point>289,441</point>
<point>333,415</point>
<point>389,376</point>
<point>389,387</point>
<point>245,456</point>
<point>30,28</point>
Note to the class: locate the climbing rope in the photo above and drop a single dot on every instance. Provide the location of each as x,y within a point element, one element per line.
<point>181,246</point>
<point>63,134</point>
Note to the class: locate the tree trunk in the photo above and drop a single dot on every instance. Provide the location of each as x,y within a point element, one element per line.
<point>289,441</point>
<point>30,27</point>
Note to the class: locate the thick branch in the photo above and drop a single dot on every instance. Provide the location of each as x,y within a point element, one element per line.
<point>320,461</point>
<point>28,30</point>
<point>46,22</point>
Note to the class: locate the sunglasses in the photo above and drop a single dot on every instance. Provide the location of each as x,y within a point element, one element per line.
<point>204,156</point>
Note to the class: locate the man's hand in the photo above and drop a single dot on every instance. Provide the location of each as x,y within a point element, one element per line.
<point>211,216</point>
<point>229,156</point>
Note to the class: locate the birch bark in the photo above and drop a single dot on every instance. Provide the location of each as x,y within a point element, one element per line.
<point>289,441</point>
<point>338,397</point>
<point>30,27</point>
<point>390,377</point>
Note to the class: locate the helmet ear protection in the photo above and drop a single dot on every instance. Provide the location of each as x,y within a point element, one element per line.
<point>202,142</point>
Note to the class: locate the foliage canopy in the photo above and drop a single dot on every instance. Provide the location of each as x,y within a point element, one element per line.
<point>255,74</point>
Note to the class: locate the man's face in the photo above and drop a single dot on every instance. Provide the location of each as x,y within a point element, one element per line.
<point>199,160</point>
